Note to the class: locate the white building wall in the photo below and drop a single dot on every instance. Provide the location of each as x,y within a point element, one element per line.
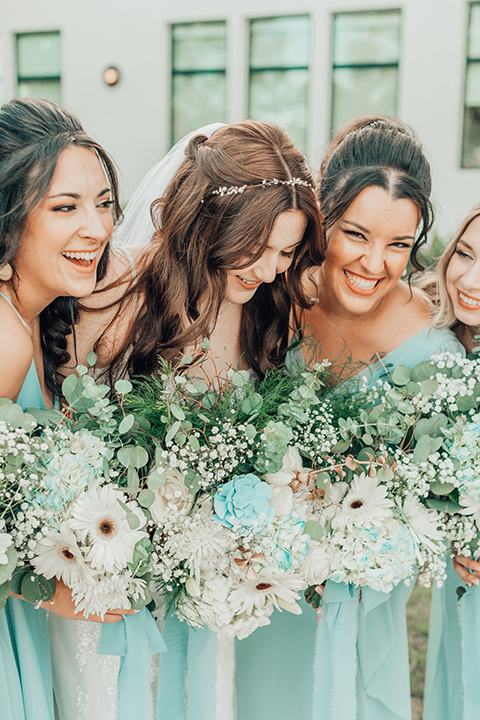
<point>132,119</point>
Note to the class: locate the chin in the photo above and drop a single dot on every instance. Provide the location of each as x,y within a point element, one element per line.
<point>468,317</point>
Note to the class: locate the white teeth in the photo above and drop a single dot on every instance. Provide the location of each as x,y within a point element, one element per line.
<point>80,255</point>
<point>360,282</point>
<point>249,282</point>
<point>469,300</point>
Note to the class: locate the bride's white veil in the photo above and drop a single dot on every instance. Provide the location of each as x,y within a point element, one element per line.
<point>136,227</point>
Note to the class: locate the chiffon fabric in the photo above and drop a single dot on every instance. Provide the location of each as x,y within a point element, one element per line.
<point>25,665</point>
<point>452,688</point>
<point>353,664</point>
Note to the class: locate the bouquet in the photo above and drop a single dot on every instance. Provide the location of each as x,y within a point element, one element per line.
<point>64,504</point>
<point>233,501</point>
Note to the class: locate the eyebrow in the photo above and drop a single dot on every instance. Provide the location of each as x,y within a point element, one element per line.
<point>364,230</point>
<point>76,196</point>
<point>464,242</point>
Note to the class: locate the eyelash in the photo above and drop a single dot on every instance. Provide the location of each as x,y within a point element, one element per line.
<point>358,235</point>
<point>288,255</point>
<point>463,254</point>
<point>67,208</point>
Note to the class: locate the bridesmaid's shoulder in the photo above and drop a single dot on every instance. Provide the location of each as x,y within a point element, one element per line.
<point>16,352</point>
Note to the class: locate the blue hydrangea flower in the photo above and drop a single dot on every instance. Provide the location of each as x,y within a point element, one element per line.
<point>244,503</point>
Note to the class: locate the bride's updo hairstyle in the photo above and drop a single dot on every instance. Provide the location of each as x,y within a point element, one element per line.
<point>376,150</point>
<point>217,214</point>
<point>33,135</point>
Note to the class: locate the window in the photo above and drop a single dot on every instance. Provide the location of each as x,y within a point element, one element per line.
<point>39,65</point>
<point>279,63</point>
<point>471,117</point>
<point>366,50</point>
<point>198,76</point>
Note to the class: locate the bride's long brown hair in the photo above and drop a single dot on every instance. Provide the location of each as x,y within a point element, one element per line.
<point>201,234</point>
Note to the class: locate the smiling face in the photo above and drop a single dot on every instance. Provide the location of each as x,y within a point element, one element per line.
<point>286,234</point>
<point>463,276</point>
<point>367,251</point>
<point>67,231</point>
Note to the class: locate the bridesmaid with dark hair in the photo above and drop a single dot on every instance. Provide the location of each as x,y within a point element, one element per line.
<point>58,201</point>
<point>374,198</point>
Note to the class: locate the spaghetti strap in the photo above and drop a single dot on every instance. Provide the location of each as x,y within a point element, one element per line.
<point>14,309</point>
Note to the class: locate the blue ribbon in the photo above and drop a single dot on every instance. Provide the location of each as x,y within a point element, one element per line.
<point>469,613</point>
<point>361,655</point>
<point>134,638</point>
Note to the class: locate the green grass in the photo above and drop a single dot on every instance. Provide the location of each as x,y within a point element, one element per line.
<point>418,618</point>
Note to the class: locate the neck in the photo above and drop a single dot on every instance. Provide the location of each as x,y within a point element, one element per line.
<point>27,301</point>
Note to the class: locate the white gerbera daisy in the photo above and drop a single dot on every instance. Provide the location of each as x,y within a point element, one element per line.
<point>101,520</point>
<point>423,523</point>
<point>470,507</point>
<point>58,555</point>
<point>270,587</point>
<point>365,503</point>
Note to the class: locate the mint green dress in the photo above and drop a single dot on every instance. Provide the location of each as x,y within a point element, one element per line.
<point>353,664</point>
<point>25,667</point>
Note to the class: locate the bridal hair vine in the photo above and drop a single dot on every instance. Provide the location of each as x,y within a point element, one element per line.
<point>239,189</point>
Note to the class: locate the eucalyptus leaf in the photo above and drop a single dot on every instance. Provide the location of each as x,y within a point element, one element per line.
<point>91,358</point>
<point>36,588</point>
<point>314,529</point>
<point>441,488</point>
<point>146,498</point>
<point>123,455</point>
<point>138,456</point>
<point>70,386</point>
<point>322,479</point>
<point>194,443</point>
<point>466,403</point>
<point>423,449</point>
<point>367,439</point>
<point>423,371</point>
<point>252,404</point>
<point>126,424</point>
<point>156,479</point>
<point>250,431</point>
<point>446,506</point>
<point>341,446</point>
<point>133,479</point>
<point>6,570</point>
<point>413,387</point>
<point>172,431</point>
<point>177,412</point>
<point>428,387</point>
<point>122,387</point>
<point>401,375</point>
<point>16,579</point>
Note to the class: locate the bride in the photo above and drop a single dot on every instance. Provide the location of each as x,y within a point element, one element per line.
<point>233,234</point>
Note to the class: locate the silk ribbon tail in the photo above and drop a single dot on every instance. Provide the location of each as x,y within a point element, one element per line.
<point>135,638</point>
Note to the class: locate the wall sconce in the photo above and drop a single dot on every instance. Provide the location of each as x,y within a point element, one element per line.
<point>111,76</point>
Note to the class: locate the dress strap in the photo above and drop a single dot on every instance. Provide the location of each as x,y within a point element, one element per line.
<point>15,310</point>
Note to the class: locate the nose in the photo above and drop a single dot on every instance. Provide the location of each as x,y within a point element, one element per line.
<point>265,269</point>
<point>95,227</point>
<point>373,259</point>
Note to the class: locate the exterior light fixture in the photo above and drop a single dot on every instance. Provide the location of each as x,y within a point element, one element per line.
<point>111,76</point>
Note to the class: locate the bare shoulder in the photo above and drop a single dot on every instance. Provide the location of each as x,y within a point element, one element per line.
<point>16,352</point>
<point>418,303</point>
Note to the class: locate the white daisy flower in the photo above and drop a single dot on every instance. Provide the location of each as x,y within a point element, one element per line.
<point>423,523</point>
<point>365,503</point>
<point>270,586</point>
<point>58,555</point>
<point>470,507</point>
<point>109,592</point>
<point>101,520</point>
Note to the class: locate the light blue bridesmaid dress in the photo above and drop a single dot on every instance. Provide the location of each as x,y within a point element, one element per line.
<point>25,667</point>
<point>353,664</point>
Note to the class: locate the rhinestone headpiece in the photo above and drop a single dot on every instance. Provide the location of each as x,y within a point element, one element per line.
<point>239,189</point>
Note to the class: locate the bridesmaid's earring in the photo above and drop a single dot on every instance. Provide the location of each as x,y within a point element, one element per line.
<point>6,272</point>
<point>404,272</point>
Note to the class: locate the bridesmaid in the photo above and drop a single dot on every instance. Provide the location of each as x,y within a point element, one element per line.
<point>57,187</point>
<point>374,199</point>
<point>452,688</point>
<point>237,229</point>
